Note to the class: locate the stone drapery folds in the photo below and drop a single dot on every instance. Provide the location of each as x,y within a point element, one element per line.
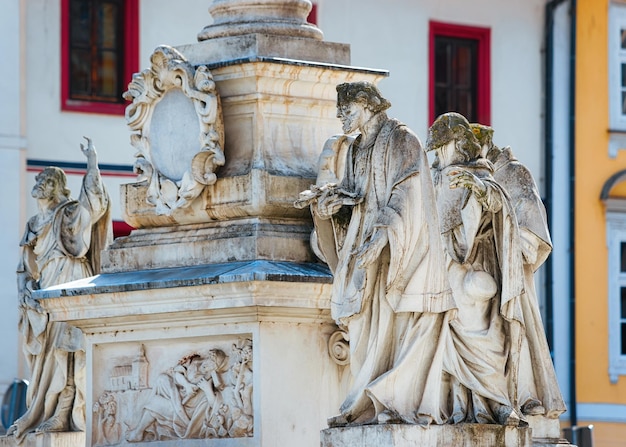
<point>433,270</point>
<point>61,243</point>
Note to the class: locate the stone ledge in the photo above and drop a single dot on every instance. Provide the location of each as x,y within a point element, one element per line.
<point>392,435</point>
<point>63,439</point>
<point>255,45</point>
<point>199,275</point>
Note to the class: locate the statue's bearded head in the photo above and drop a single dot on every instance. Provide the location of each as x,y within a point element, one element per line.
<point>50,183</point>
<point>357,102</point>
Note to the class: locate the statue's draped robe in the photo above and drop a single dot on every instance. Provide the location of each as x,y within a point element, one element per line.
<point>395,308</point>
<point>62,248</point>
<point>537,378</point>
<point>481,359</point>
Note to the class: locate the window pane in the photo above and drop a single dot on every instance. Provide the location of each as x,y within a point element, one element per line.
<point>442,55</point>
<point>96,50</point>
<point>463,66</point>
<point>109,14</point>
<point>442,103</point>
<point>623,303</point>
<point>108,74</point>
<point>455,76</point>
<point>80,72</point>
<point>80,23</point>
<point>464,102</point>
<point>623,330</point>
<point>623,257</point>
<point>623,38</point>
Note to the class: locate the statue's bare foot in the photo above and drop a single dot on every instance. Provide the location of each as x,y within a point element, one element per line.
<point>54,424</point>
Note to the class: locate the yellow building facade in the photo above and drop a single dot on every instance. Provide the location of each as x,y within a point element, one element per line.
<point>600,219</point>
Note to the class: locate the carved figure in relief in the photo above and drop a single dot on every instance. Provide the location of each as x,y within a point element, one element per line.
<point>195,400</point>
<point>108,430</point>
<point>376,226</point>
<point>482,244</point>
<point>242,376</point>
<point>61,243</point>
<point>538,391</point>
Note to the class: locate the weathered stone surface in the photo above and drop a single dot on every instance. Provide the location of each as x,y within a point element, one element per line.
<point>394,435</point>
<point>260,46</point>
<point>197,275</point>
<point>218,242</point>
<point>379,233</point>
<point>66,439</point>
<point>278,17</point>
<point>276,117</point>
<point>176,118</point>
<point>61,243</point>
<point>462,364</point>
<point>141,325</point>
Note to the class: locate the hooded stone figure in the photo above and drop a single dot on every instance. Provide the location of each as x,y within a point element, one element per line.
<point>61,243</point>
<point>378,230</point>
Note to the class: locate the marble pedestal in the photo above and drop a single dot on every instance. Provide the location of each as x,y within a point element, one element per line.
<point>541,432</point>
<point>392,435</point>
<point>139,325</point>
<point>65,439</point>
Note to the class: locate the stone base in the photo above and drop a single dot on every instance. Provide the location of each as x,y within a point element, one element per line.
<point>392,435</point>
<point>210,243</point>
<point>64,439</point>
<point>542,432</point>
<point>259,45</point>
<point>546,432</point>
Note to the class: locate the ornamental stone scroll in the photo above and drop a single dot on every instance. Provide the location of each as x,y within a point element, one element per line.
<point>179,130</point>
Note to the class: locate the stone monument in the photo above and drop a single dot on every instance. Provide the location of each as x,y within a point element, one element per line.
<point>464,361</point>
<point>211,320</point>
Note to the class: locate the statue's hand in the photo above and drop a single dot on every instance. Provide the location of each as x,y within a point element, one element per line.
<point>89,151</point>
<point>465,179</point>
<point>371,250</point>
<point>329,205</point>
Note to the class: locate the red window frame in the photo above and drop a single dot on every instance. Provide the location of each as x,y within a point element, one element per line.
<point>483,81</point>
<point>131,60</point>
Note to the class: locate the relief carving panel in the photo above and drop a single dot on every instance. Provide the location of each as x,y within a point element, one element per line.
<point>203,391</point>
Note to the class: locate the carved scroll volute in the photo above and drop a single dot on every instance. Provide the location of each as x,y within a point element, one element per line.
<point>339,348</point>
<point>176,118</point>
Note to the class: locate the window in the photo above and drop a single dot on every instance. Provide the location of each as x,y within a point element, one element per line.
<point>99,53</point>
<point>459,71</point>
<point>616,241</point>
<point>617,78</point>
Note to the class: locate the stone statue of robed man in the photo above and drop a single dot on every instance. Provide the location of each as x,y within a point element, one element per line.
<point>62,243</point>
<point>378,231</point>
